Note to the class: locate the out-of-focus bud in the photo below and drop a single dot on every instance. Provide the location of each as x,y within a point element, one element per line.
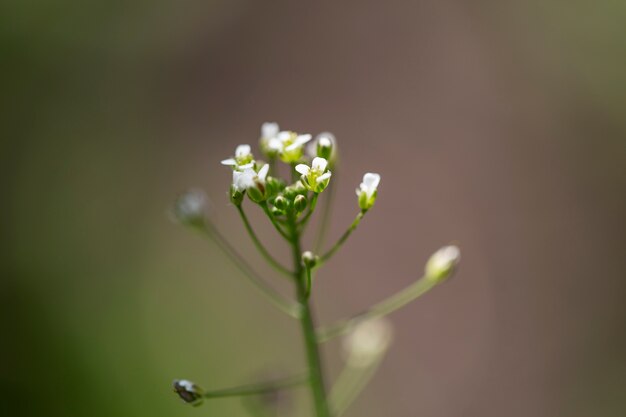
<point>367,342</point>
<point>299,203</point>
<point>191,208</point>
<point>236,195</point>
<point>368,190</point>
<point>309,259</point>
<point>273,186</point>
<point>324,146</point>
<point>281,203</point>
<point>442,263</point>
<point>188,391</point>
<point>295,189</point>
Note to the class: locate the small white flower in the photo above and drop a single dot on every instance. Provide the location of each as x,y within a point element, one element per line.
<point>291,146</point>
<point>323,146</point>
<point>443,263</point>
<point>368,190</point>
<point>243,158</point>
<point>367,342</point>
<point>269,142</point>
<point>191,207</point>
<point>315,177</point>
<point>251,181</point>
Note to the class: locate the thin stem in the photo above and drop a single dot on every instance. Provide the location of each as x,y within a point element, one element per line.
<point>260,388</point>
<point>316,378</point>
<point>307,216</point>
<point>343,238</point>
<point>268,257</point>
<point>308,282</point>
<point>285,305</point>
<point>279,229</point>
<point>388,305</point>
<point>325,215</point>
<point>350,383</point>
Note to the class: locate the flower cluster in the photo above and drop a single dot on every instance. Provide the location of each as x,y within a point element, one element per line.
<point>261,183</point>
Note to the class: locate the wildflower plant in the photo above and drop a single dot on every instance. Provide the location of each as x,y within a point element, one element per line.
<point>289,203</point>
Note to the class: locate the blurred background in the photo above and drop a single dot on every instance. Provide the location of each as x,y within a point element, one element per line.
<point>495,124</point>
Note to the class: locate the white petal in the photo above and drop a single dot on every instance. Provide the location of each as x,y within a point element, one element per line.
<point>275,144</point>
<point>323,177</point>
<point>284,135</point>
<point>269,130</point>
<point>371,180</point>
<point>303,169</point>
<point>242,151</point>
<point>325,142</point>
<point>229,162</point>
<point>263,173</point>
<point>292,147</point>
<point>302,139</point>
<point>319,164</point>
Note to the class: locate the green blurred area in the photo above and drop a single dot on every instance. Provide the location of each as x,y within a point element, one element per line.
<point>104,300</point>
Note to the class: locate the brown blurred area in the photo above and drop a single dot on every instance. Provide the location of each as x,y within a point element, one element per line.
<point>496,125</point>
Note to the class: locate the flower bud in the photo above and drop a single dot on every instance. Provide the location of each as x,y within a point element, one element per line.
<point>236,196</point>
<point>191,208</point>
<point>281,203</point>
<point>367,342</point>
<point>368,190</point>
<point>188,391</point>
<point>309,259</point>
<point>299,203</point>
<point>324,147</point>
<point>442,263</point>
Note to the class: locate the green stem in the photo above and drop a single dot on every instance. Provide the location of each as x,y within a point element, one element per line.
<point>287,306</point>
<point>260,388</point>
<point>325,215</point>
<point>343,238</point>
<point>350,383</point>
<point>306,218</point>
<point>268,257</point>
<point>308,281</point>
<point>316,378</point>
<point>387,306</point>
<point>279,229</point>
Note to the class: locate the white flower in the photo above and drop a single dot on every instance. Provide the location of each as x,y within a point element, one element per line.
<point>243,158</point>
<point>367,342</point>
<point>291,145</point>
<point>269,142</point>
<point>315,177</point>
<point>251,181</point>
<point>191,207</point>
<point>443,263</point>
<point>368,190</point>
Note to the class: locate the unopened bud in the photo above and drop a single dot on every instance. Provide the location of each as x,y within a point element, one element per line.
<point>324,146</point>
<point>256,194</point>
<point>188,391</point>
<point>236,196</point>
<point>309,259</point>
<point>281,203</point>
<point>442,263</point>
<point>299,203</point>
<point>191,208</point>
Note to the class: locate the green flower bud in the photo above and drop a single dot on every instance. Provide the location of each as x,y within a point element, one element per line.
<point>281,203</point>
<point>442,263</point>
<point>299,203</point>
<point>188,391</point>
<point>236,196</point>
<point>309,259</point>
<point>324,147</point>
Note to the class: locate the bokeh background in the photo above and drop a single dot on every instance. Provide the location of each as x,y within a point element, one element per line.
<point>496,124</point>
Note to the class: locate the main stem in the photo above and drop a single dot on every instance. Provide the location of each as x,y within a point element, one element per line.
<point>316,377</point>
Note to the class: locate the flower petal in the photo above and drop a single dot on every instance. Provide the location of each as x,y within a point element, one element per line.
<point>323,177</point>
<point>263,172</point>
<point>242,151</point>
<point>229,162</point>
<point>303,169</point>
<point>269,130</point>
<point>302,139</point>
<point>319,164</point>
<point>371,180</point>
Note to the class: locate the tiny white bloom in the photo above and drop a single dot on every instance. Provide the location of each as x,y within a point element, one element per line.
<point>269,142</point>
<point>191,207</point>
<point>251,181</point>
<point>243,158</point>
<point>368,190</point>
<point>269,130</point>
<point>291,146</point>
<point>443,263</point>
<point>315,177</point>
